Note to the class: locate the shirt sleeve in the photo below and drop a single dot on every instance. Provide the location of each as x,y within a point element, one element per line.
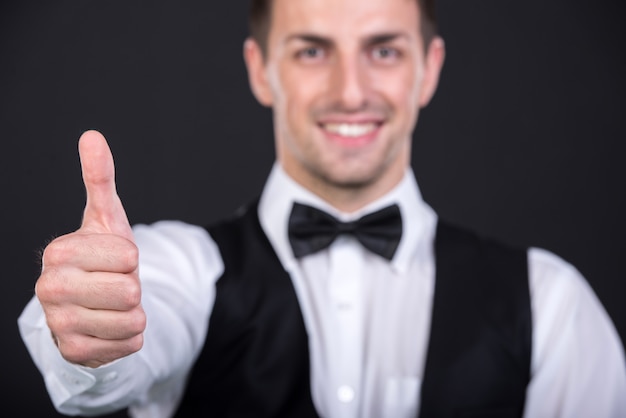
<point>578,367</point>
<point>178,266</point>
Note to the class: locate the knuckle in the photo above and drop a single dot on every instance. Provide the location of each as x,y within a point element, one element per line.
<point>121,326</point>
<point>138,322</point>
<point>72,352</point>
<point>60,322</point>
<point>78,351</point>
<point>43,288</point>
<point>131,256</point>
<point>125,254</point>
<point>49,287</point>
<point>135,343</point>
<point>130,293</point>
<point>57,252</point>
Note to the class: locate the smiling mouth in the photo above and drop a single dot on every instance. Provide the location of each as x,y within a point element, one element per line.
<point>350,130</point>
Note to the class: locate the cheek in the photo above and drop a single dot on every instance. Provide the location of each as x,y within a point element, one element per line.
<point>400,87</point>
<point>301,94</point>
<point>289,107</point>
<point>409,95</point>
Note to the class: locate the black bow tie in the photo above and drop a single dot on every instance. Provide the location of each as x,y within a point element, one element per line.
<point>311,230</point>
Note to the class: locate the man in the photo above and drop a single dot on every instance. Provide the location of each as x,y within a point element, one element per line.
<point>235,321</point>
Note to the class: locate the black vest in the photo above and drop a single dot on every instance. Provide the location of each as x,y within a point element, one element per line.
<point>255,361</point>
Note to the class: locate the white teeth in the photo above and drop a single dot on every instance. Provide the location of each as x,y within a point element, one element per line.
<point>350,129</point>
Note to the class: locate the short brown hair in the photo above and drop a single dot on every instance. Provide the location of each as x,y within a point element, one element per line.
<point>261,11</point>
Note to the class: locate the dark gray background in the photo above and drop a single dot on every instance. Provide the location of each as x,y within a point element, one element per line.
<point>524,140</point>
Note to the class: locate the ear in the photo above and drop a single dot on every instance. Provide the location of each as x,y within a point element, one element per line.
<point>257,77</point>
<point>433,62</point>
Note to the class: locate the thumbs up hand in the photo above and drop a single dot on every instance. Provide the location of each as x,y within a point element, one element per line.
<point>89,285</point>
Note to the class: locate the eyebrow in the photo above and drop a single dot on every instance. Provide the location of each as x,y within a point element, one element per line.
<point>375,39</point>
<point>309,38</point>
<point>384,38</point>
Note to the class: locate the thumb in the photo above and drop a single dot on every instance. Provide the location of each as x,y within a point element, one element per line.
<point>104,212</point>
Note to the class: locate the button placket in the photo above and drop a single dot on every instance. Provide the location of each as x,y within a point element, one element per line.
<point>345,287</point>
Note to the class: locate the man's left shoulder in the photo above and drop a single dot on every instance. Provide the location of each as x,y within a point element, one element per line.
<point>550,273</point>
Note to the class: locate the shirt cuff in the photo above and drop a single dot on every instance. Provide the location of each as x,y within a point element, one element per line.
<point>64,380</point>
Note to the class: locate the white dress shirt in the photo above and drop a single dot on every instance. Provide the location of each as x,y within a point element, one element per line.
<point>367,320</point>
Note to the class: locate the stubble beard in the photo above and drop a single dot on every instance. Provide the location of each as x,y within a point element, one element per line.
<point>362,183</point>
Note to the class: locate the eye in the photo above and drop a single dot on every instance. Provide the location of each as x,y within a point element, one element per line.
<point>311,53</point>
<point>385,53</point>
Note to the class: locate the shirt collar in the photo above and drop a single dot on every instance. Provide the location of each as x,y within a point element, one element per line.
<point>280,191</point>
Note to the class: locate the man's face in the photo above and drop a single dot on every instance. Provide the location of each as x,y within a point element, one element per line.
<point>345,79</point>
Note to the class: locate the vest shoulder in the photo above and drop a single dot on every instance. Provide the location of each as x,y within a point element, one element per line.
<point>465,235</point>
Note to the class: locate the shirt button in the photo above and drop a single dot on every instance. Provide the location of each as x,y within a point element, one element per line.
<point>345,394</point>
<point>344,306</point>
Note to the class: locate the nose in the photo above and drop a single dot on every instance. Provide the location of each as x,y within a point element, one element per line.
<point>350,83</point>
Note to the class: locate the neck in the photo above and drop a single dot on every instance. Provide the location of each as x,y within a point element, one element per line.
<point>349,198</point>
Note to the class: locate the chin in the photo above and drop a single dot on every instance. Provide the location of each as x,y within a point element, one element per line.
<point>349,180</point>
